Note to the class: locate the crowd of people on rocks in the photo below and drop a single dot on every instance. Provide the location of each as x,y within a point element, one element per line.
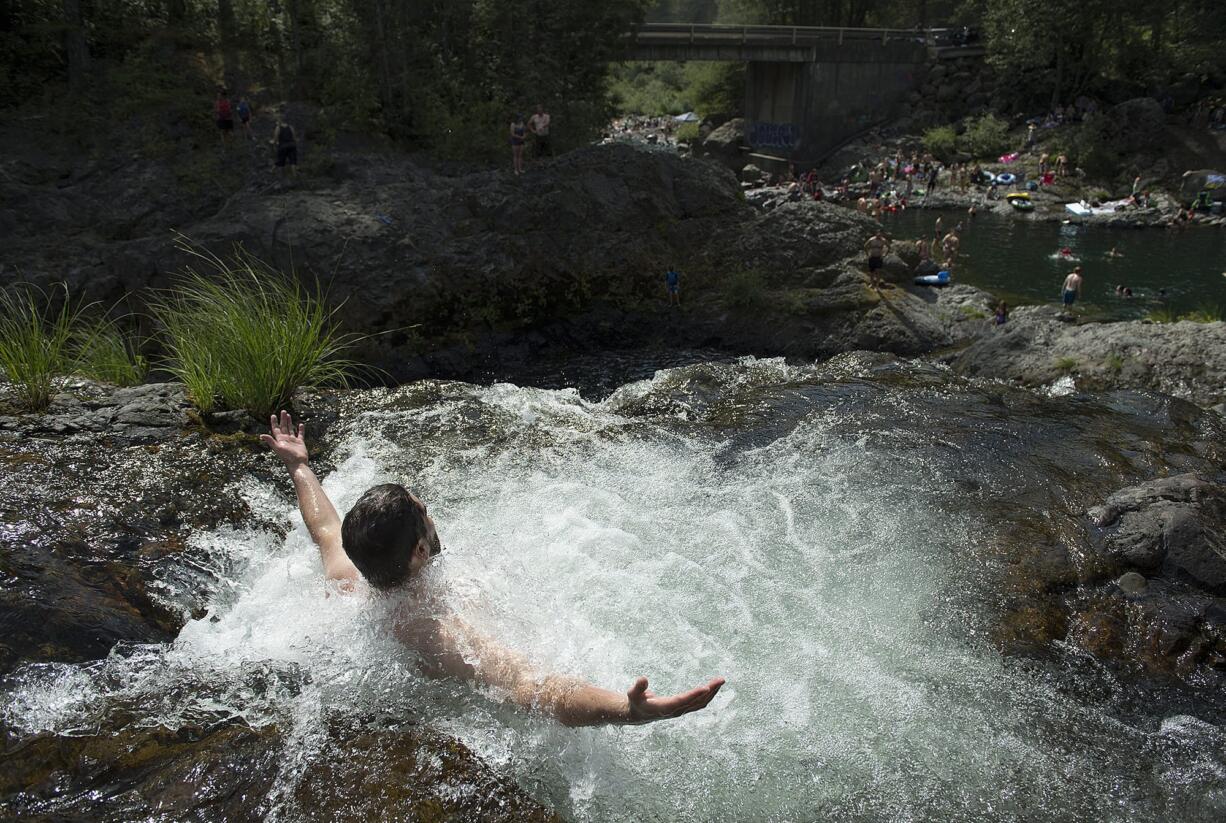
<point>894,182</point>
<point>655,131</point>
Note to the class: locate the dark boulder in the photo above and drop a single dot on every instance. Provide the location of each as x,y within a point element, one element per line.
<point>724,144</point>
<point>1171,527</point>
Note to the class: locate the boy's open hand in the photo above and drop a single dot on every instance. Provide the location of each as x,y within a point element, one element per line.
<point>285,442</point>
<point>646,706</point>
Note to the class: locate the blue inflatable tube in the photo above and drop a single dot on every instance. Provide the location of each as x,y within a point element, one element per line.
<point>1006,179</point>
<point>941,278</point>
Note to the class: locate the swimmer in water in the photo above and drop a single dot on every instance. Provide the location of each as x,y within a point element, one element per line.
<point>1114,253</point>
<point>383,545</point>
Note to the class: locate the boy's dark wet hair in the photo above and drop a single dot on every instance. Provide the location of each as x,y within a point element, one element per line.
<point>381,532</point>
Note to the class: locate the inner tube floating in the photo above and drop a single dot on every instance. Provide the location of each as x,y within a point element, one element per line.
<point>1006,179</point>
<point>1018,195</point>
<point>1022,205</point>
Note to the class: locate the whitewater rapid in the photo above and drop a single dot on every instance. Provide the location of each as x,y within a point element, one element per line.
<point>821,563</point>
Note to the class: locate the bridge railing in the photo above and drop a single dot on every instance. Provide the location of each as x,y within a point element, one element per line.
<point>713,34</point>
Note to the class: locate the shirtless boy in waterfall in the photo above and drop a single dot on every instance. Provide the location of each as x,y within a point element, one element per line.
<point>386,539</point>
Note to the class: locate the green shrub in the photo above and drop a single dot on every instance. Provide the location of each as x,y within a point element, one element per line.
<point>687,133</point>
<point>1114,363</point>
<point>243,335</point>
<point>1093,147</point>
<point>746,289</point>
<point>941,142</point>
<point>1162,315</point>
<point>650,88</point>
<point>46,336</point>
<point>987,136</point>
<point>716,88</point>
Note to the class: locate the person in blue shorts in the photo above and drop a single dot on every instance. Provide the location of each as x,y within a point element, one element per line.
<point>672,281</point>
<point>1072,287</point>
<point>243,109</point>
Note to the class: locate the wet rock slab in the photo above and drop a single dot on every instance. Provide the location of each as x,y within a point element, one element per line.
<point>98,497</point>
<point>1041,344</point>
<point>234,772</point>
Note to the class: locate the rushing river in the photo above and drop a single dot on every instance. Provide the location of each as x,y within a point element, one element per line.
<point>1017,260</point>
<point>814,542</point>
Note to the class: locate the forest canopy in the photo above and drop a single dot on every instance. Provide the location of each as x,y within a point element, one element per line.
<point>445,74</point>
<point>448,74</point>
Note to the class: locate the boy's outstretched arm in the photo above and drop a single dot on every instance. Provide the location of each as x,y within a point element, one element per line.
<point>455,648</point>
<point>317,510</point>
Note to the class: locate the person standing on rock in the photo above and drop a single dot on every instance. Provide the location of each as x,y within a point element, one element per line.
<point>518,132</point>
<point>538,124</point>
<point>287,147</point>
<point>876,248</point>
<point>672,283</point>
<point>244,116</point>
<point>1072,287</point>
<point>382,549</point>
<point>224,116</point>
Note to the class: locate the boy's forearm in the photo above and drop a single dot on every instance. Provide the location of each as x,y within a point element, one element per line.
<point>575,703</point>
<point>317,510</point>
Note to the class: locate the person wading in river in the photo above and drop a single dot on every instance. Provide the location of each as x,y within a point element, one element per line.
<point>384,543</point>
<point>1072,287</point>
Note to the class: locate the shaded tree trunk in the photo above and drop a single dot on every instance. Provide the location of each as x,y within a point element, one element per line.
<point>1056,88</point>
<point>227,27</point>
<point>76,49</point>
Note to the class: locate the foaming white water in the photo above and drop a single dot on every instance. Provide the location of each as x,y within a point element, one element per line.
<point>816,571</point>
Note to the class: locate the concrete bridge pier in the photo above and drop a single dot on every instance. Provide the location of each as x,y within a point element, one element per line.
<point>801,112</point>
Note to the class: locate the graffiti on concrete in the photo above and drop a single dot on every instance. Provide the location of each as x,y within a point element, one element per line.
<point>774,135</point>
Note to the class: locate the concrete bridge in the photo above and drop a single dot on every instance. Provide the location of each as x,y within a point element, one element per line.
<point>807,89</point>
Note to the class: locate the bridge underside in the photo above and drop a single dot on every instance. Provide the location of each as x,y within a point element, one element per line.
<point>802,101</point>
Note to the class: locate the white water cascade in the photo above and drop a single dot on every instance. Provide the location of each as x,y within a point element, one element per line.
<point>821,572</point>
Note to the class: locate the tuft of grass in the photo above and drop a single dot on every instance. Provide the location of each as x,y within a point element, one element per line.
<point>240,334</point>
<point>972,313</point>
<point>1065,364</point>
<point>1114,363</point>
<point>1203,314</point>
<point>46,336</point>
